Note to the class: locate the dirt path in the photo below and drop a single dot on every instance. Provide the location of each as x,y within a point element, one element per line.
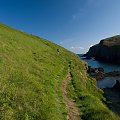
<point>73,113</point>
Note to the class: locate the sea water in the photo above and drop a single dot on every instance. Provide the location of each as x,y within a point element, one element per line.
<point>107,82</point>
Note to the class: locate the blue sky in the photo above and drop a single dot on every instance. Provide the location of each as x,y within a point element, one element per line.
<point>73,24</point>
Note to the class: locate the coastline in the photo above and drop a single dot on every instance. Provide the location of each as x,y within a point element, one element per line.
<point>111,94</point>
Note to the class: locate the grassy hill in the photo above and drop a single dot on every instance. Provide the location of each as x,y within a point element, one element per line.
<point>31,73</point>
<point>111,41</point>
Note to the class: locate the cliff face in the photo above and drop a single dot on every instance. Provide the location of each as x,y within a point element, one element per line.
<point>107,50</point>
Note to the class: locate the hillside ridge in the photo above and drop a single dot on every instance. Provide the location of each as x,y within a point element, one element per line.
<point>31,76</point>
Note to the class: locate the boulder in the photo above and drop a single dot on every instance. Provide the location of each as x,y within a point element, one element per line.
<point>91,70</point>
<point>101,69</point>
<point>97,73</point>
<point>117,85</point>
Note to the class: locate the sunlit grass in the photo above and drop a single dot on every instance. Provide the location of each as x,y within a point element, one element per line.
<point>31,73</point>
<point>88,97</point>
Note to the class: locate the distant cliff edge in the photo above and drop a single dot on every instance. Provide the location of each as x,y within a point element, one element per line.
<point>108,50</point>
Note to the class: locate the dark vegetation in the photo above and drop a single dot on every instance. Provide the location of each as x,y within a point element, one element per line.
<point>31,73</point>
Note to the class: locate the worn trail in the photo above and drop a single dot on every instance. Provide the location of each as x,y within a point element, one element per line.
<point>73,113</point>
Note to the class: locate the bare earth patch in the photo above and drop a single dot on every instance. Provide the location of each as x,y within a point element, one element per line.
<point>73,113</point>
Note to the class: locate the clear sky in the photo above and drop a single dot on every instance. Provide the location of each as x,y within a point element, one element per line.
<point>73,24</point>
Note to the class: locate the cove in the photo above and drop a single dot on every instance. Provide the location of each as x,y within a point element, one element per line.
<point>106,84</point>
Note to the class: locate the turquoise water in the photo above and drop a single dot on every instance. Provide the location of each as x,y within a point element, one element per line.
<point>108,67</point>
<point>107,82</point>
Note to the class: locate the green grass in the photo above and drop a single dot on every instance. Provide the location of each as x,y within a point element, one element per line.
<point>31,73</point>
<point>88,97</point>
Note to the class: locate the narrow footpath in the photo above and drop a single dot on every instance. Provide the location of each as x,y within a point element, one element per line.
<point>73,113</point>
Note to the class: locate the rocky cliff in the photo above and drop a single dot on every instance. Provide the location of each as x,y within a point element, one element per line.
<point>107,50</point>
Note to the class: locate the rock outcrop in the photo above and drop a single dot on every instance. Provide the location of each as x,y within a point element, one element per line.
<point>97,73</point>
<point>112,74</point>
<point>107,50</point>
<point>117,85</point>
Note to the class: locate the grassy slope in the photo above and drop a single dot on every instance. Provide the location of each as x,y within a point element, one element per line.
<point>88,97</point>
<point>31,73</point>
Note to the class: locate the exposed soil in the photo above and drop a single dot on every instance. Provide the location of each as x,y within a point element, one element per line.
<point>73,113</point>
